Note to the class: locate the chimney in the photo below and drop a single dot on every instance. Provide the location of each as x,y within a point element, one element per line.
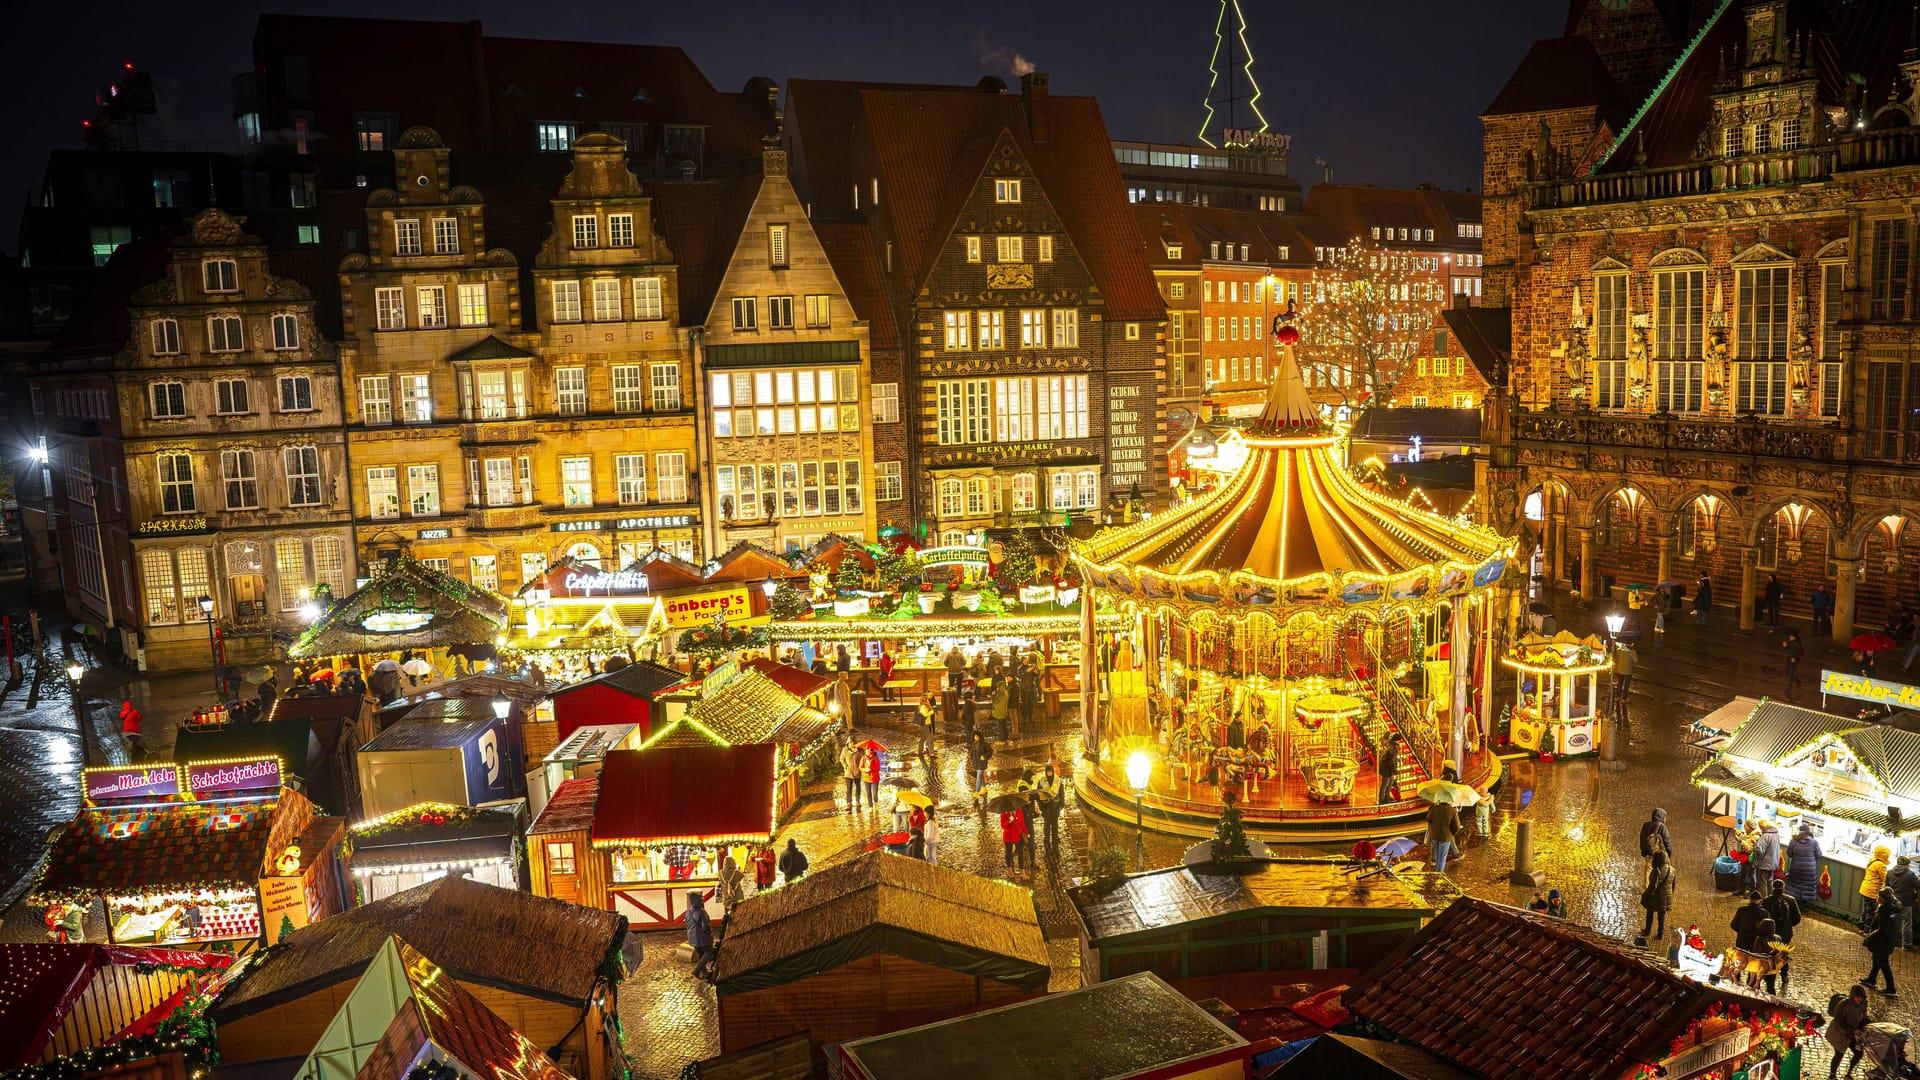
<point>1033,93</point>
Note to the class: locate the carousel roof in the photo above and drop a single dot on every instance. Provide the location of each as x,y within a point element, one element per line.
<point>1293,513</point>
<point>406,605</point>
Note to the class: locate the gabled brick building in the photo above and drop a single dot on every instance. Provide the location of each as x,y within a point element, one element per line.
<point>1033,329</point>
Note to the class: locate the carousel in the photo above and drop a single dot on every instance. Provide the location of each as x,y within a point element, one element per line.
<point>1282,637</point>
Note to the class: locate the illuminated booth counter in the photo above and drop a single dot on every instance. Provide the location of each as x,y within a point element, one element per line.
<point>653,827</point>
<point>1856,785</point>
<point>1556,707</point>
<point>194,853</point>
<point>412,846</point>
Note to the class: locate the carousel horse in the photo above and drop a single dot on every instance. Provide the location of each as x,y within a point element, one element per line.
<point>1260,751</point>
<point>1179,751</point>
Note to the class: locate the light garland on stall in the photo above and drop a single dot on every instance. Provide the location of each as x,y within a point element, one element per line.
<point>890,629</point>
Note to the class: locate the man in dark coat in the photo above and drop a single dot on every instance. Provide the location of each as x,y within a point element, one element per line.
<point>793,863</point>
<point>1784,910</point>
<point>1654,836</point>
<point>1883,934</point>
<point>1443,825</point>
<point>699,934</point>
<point>1905,883</point>
<point>1796,652</point>
<point>1746,921</point>
<point>1389,765</point>
<point>1703,600</point>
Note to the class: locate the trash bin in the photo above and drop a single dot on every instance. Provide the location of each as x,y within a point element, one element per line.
<point>1053,702</point>
<point>950,708</point>
<point>857,706</point>
<point>1726,874</point>
<point>1606,585</point>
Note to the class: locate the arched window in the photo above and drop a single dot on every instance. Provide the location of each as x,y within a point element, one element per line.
<point>585,554</point>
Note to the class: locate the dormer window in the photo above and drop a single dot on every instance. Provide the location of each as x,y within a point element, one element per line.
<point>220,275</point>
<point>406,236</point>
<point>1173,251</point>
<point>586,231</point>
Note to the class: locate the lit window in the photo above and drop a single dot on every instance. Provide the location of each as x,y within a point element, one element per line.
<point>1006,191</point>
<point>777,246</point>
<point>619,230</point>
<point>566,301</point>
<point>433,306</point>
<point>1046,249</point>
<point>383,491</point>
<point>666,387</point>
<point>959,326</point>
<point>888,486</point>
<point>571,389</point>
<point>473,305</point>
<point>819,311</point>
<point>973,249</point>
<point>576,481</point>
<point>646,299</point>
<point>446,236</point>
<point>1008,248</point>
<point>586,231</point>
<point>553,137</point>
<point>630,473</point>
<point>606,299</point>
<point>376,400</point>
<point>628,393</point>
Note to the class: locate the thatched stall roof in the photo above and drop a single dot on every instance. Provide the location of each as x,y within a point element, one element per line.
<point>170,846</point>
<point>483,934</point>
<point>888,904</point>
<point>754,708</point>
<point>406,605</point>
<point>685,795</point>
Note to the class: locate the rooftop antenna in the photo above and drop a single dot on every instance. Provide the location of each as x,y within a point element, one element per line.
<point>1229,46</point>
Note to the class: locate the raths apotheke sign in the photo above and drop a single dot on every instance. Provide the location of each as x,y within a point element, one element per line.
<point>1861,688</point>
<point>204,780</point>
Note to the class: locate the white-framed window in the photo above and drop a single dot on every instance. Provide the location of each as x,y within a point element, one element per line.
<point>1086,489</point>
<point>226,334</point>
<point>630,478</point>
<point>780,312</point>
<point>167,400</point>
<point>231,397</point>
<point>978,489</point>
<point>965,410</point>
<point>446,236</point>
<point>1832,371</point>
<point>952,498</point>
<point>819,311</point>
<point>406,236</point>
<point>992,329</point>
<point>1013,419</point>
<point>473,304</point>
<point>174,468</point>
<point>220,275</point>
<point>576,481</point>
<point>746,313</point>
<point>390,308</point>
<point>423,490</point>
<point>1024,491</point>
<point>629,393</point>
<point>491,389</point>
<point>606,299</point>
<point>499,482</point>
<point>1062,406</point>
<point>1045,244</point>
<point>570,390</point>
<point>666,387</point>
<point>484,571</point>
<point>173,599</point>
<point>619,230</point>
<point>416,399</point>
<point>1006,191</point>
<point>646,299</point>
<point>1033,328</point>
<point>1061,492</point>
<point>586,231</point>
<point>290,569</point>
<point>432,301</point>
<point>886,403</point>
<point>286,331</point>
<point>296,393</point>
<point>1008,249</point>
<point>553,136</point>
<point>973,249</point>
<point>1890,262</point>
<point>1679,320</point>
<point>532,565</point>
<point>238,480</point>
<point>670,477</point>
<point>1066,328</point>
<point>888,486</point>
<point>566,301</point>
<point>777,246</point>
<point>166,336</point>
<point>376,400</point>
<point>438,564</point>
<point>383,491</point>
<point>1610,316</point>
<point>303,474</point>
<point>959,330</point>
<point>1761,322</point>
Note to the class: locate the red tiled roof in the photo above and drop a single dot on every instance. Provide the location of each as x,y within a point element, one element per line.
<point>686,792</point>
<point>1558,73</point>
<point>850,248</point>
<point>570,809</point>
<point>175,845</point>
<point>801,684</point>
<point>823,115</point>
<point>749,562</point>
<point>1510,994</point>
<point>1350,211</point>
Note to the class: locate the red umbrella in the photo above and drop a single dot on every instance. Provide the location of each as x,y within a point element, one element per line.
<point>874,746</point>
<point>327,673</point>
<point>1871,643</point>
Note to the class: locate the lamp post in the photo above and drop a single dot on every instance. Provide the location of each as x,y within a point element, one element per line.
<point>502,706</point>
<point>1609,749</point>
<point>769,587</point>
<point>213,649</point>
<point>74,670</point>
<point>1139,772</point>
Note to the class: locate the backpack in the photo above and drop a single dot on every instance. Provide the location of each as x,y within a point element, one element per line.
<point>1647,839</point>
<point>1834,1003</point>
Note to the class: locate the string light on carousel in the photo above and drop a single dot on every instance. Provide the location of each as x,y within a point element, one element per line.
<point>1273,641</point>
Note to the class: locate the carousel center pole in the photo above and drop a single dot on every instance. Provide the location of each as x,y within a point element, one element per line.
<point>1457,666</point>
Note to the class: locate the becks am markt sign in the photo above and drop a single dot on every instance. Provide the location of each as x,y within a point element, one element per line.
<point>1861,688</point>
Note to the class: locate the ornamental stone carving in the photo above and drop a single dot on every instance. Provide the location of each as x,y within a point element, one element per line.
<point>1009,276</point>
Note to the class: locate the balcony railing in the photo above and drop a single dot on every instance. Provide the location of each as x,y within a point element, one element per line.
<point>1747,438</point>
<point>1862,150</point>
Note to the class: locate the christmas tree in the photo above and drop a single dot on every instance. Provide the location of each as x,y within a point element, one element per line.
<point>787,603</point>
<point>1230,835</point>
<point>850,578</point>
<point>1017,567</point>
<point>286,927</point>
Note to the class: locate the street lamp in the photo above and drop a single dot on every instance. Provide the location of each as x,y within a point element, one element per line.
<point>1139,772</point>
<point>769,586</point>
<point>213,649</point>
<point>74,670</point>
<point>502,705</point>
<point>1616,621</point>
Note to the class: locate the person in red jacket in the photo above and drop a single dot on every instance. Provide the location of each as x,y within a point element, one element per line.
<point>763,867</point>
<point>1013,833</point>
<point>873,776</point>
<point>130,729</point>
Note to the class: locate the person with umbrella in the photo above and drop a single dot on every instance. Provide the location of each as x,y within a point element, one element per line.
<point>1013,827</point>
<point>351,683</point>
<point>1443,826</point>
<point>1051,791</point>
<point>850,760</point>
<point>917,832</point>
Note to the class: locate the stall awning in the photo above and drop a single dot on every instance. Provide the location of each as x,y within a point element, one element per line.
<point>1714,729</point>
<point>457,852</point>
<point>685,794</point>
<point>1837,804</point>
<point>405,606</point>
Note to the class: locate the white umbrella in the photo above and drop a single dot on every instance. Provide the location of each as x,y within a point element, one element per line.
<point>1446,791</point>
<point>416,666</point>
<point>389,664</point>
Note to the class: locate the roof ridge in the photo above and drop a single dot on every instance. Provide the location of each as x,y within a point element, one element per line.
<point>1661,86</point>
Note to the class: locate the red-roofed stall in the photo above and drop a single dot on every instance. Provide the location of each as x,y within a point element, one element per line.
<point>653,827</point>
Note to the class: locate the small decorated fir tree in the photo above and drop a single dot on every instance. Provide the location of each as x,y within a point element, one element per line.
<point>1017,566</point>
<point>1230,835</point>
<point>787,603</point>
<point>851,577</point>
<point>286,927</point>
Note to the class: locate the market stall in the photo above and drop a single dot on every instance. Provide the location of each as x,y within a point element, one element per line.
<point>317,740</point>
<point>405,611</point>
<point>1556,705</point>
<point>741,704</point>
<point>581,754</point>
<point>626,695</point>
<point>411,846</point>
<point>461,753</point>
<point>1855,786</point>
<point>660,821</point>
<point>1290,583</point>
<point>200,852</point>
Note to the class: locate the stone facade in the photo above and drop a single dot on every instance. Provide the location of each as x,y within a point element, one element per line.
<point>787,405</point>
<point>236,462</point>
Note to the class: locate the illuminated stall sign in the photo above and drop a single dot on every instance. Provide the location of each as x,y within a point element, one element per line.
<point>949,556</point>
<point>1862,688</point>
<point>172,526</point>
<point>218,779</point>
<point>701,608</point>
<point>107,785</point>
<point>601,583</point>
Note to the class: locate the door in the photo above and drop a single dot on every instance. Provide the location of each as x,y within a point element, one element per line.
<point>249,597</point>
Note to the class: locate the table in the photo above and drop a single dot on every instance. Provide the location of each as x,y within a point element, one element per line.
<point>1727,825</point>
<point>890,689</point>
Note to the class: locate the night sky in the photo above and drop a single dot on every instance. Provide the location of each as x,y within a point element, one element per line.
<point>1386,91</point>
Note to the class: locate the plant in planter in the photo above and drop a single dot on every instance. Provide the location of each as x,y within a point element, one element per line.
<point>1106,869</point>
<point>1230,835</point>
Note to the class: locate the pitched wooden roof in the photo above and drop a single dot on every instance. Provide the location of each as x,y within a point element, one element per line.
<point>686,793</point>
<point>850,249</point>
<point>175,845</point>
<point>570,809</point>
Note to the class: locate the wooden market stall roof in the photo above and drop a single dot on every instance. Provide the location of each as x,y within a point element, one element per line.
<point>466,833</point>
<point>801,684</point>
<point>690,794</point>
<point>1291,513</point>
<point>62,999</point>
<point>642,679</point>
<point>751,563</point>
<point>1134,1026</point>
<point>420,1008</point>
<point>1180,896</point>
<point>406,605</point>
<point>750,707</point>
<point>570,809</point>
<point>885,903</point>
<point>480,933</point>
<point>179,845</point>
<point>1776,734</point>
<point>1508,994</point>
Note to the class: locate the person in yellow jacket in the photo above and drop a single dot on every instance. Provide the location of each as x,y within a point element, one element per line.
<point>1872,882</point>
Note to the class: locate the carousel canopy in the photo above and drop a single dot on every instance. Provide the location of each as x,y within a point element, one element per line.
<point>405,606</point>
<point>1293,526</point>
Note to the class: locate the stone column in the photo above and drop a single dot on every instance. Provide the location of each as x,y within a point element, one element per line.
<point>1663,543</point>
<point>1846,577</point>
<point>1749,579</point>
<point>1583,537</point>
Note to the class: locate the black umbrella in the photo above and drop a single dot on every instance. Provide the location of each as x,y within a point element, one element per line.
<point>473,651</point>
<point>1539,608</point>
<point>901,782</point>
<point>1007,803</point>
